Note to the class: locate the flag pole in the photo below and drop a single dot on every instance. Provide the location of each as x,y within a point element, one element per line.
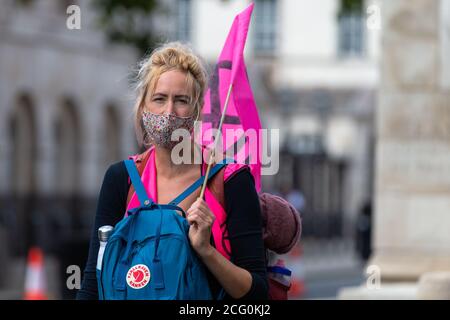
<point>212,155</point>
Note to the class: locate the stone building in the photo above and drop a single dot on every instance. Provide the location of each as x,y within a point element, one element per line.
<point>411,238</point>
<point>65,115</point>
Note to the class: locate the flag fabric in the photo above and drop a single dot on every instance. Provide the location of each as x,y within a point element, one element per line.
<point>241,128</point>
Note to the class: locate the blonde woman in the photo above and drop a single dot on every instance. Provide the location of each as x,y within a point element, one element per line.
<point>171,87</point>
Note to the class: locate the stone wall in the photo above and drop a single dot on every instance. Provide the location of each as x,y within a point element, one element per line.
<point>413,141</point>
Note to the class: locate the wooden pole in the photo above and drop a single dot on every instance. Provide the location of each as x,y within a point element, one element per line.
<point>213,152</point>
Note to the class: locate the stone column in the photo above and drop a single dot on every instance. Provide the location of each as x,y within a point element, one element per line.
<point>412,187</point>
<point>413,145</point>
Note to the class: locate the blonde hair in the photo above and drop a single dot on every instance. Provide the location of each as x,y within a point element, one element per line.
<point>170,56</point>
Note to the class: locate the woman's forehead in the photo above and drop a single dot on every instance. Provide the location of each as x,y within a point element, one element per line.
<point>173,82</point>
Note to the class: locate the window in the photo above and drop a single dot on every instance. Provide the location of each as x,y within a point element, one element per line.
<point>265,26</point>
<point>183,31</point>
<point>351,29</point>
<point>67,135</point>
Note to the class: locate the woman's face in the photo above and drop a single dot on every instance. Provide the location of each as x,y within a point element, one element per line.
<point>172,95</point>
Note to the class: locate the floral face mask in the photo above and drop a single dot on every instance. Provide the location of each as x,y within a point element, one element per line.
<point>159,127</point>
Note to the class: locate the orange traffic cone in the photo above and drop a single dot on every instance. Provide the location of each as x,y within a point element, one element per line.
<point>298,288</point>
<point>35,288</point>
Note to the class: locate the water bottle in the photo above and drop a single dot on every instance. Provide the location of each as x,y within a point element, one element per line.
<point>104,233</point>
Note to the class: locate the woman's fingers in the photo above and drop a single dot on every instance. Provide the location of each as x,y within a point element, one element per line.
<point>192,218</point>
<point>198,223</point>
<point>204,208</point>
<point>199,217</point>
<point>204,216</point>
<point>200,203</point>
<point>204,213</point>
<point>200,207</point>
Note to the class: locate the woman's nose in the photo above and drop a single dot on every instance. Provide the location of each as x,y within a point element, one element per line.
<point>170,107</point>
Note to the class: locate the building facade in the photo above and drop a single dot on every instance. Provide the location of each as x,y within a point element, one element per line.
<point>65,115</point>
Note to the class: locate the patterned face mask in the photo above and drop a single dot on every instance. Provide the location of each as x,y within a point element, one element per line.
<point>159,127</point>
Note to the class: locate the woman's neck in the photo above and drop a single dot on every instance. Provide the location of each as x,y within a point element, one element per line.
<point>166,167</point>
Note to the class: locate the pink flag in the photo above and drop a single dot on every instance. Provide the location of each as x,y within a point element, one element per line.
<point>241,128</point>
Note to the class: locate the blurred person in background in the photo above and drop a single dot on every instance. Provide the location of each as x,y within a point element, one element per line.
<point>296,198</point>
<point>363,231</point>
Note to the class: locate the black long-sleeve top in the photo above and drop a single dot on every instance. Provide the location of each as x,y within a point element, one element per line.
<point>243,225</point>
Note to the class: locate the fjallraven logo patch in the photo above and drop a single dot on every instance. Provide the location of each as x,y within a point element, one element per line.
<point>138,276</point>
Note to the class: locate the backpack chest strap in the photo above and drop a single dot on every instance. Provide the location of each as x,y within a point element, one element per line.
<point>214,170</point>
<point>141,192</point>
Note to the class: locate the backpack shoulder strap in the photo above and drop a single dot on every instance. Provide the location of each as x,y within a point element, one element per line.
<point>214,170</point>
<point>141,161</point>
<point>137,183</point>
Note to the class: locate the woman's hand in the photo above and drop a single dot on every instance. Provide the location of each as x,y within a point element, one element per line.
<point>200,218</point>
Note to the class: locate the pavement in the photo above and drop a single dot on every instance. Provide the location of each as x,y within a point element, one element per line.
<point>324,268</point>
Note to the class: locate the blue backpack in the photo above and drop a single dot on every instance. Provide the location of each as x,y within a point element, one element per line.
<point>149,256</point>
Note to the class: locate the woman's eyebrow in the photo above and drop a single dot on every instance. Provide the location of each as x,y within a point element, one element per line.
<point>176,96</point>
<point>182,96</point>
